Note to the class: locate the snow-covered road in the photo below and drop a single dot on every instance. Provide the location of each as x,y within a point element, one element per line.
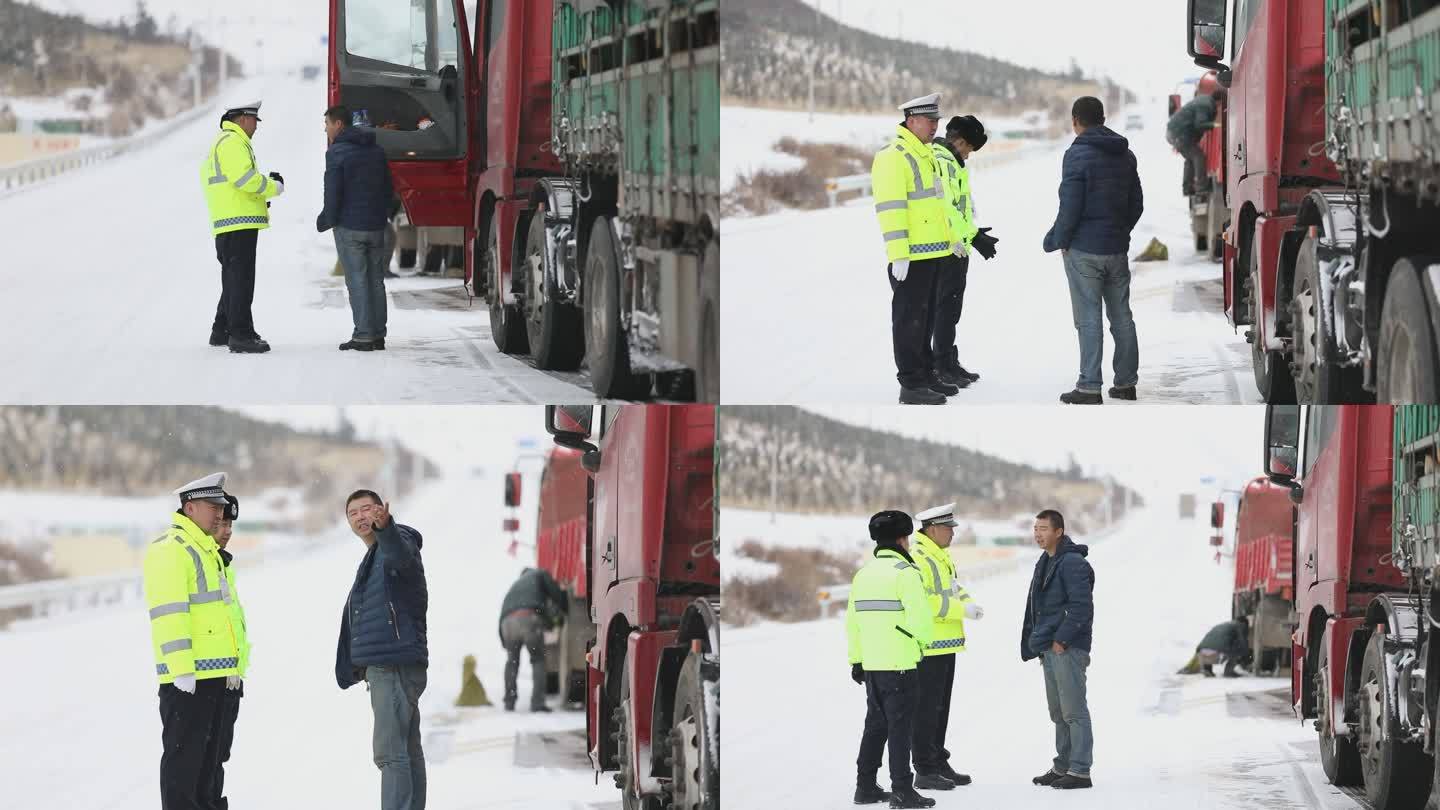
<point>808,304</point>
<point>109,283</point>
<point>1161,740</point>
<point>78,710</point>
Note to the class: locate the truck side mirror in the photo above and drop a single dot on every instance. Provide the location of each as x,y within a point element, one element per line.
<point>1217,514</point>
<point>569,426</point>
<point>1282,441</point>
<point>512,489</point>
<point>1205,33</point>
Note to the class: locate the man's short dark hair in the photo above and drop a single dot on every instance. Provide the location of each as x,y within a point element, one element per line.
<point>1088,111</point>
<point>1057,520</point>
<point>339,113</point>
<point>361,493</point>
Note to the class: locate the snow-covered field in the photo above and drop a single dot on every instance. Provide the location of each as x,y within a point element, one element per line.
<point>1162,740</point>
<point>78,711</point>
<point>813,284</point>
<point>111,281</point>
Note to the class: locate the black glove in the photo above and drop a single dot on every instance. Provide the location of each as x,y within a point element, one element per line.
<point>984,243</point>
<point>857,674</point>
<point>277,178</point>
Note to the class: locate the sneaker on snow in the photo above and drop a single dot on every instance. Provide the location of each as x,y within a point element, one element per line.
<point>1046,779</point>
<point>920,396</point>
<point>907,797</point>
<point>380,344</point>
<point>248,346</point>
<point>1078,397</point>
<point>217,339</point>
<point>949,773</point>
<point>871,794</point>
<point>933,781</point>
<point>358,345</point>
<point>1071,782</point>
<point>1122,392</point>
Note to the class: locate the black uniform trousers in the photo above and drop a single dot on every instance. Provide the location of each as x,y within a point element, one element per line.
<point>937,679</point>
<point>236,251</point>
<point>890,704</point>
<point>218,752</point>
<point>191,723</point>
<point>949,301</point>
<point>912,321</point>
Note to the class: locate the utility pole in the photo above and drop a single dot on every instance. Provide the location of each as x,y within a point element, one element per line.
<point>774,466</point>
<point>814,64</point>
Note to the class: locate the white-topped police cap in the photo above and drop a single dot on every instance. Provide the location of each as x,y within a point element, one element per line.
<point>928,106</point>
<point>210,488</point>
<point>938,516</point>
<point>252,108</point>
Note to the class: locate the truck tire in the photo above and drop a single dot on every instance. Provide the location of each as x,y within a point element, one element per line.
<point>694,764</point>
<point>1339,757</point>
<point>624,779</point>
<point>553,328</point>
<point>507,322</point>
<point>1397,774</point>
<point>1317,381</point>
<point>1406,368</point>
<point>707,376</point>
<point>1272,373</point>
<point>607,347</point>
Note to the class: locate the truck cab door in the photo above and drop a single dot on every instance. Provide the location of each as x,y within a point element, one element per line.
<point>404,67</point>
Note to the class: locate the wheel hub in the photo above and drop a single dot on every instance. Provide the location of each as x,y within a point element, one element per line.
<point>685,771</point>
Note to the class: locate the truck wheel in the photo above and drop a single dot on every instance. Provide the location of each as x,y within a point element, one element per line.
<point>1272,373</point>
<point>553,327</point>
<point>1405,371</point>
<point>507,323</point>
<point>1397,773</point>
<point>625,778</point>
<point>1339,757</point>
<point>707,376</point>
<point>606,344</point>
<point>694,764</point>
<point>1317,381</point>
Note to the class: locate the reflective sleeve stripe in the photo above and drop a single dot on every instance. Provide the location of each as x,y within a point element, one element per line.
<point>162,669</point>
<point>891,236</point>
<point>945,644</point>
<point>893,205</point>
<point>200,582</point>
<point>245,178</point>
<point>206,596</point>
<point>878,604</point>
<point>922,195</point>
<point>225,223</point>
<point>902,566</point>
<point>215,155</point>
<point>203,664</point>
<point>175,646</point>
<point>218,179</point>
<point>264,184</point>
<point>169,608</point>
<point>939,590</point>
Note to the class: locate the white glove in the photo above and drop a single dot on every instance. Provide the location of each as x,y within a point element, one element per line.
<point>974,611</point>
<point>280,186</point>
<point>185,683</point>
<point>232,682</point>
<point>960,250</point>
<point>900,269</point>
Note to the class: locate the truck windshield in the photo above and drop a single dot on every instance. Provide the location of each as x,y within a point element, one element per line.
<point>423,37</point>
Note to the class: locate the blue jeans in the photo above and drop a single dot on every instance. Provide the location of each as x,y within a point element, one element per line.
<point>362,254</point>
<point>1065,692</point>
<point>1097,281</point>
<point>395,691</point>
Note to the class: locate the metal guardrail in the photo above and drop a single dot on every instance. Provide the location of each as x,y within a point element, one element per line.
<point>835,186</point>
<point>51,597</point>
<point>24,176</point>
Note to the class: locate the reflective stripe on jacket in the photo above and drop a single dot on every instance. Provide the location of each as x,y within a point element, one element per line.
<point>910,200</point>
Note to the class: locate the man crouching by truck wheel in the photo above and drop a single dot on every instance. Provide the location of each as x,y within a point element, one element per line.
<point>534,603</point>
<point>382,642</point>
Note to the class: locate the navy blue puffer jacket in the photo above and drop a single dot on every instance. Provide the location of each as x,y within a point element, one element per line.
<point>384,618</point>
<point>1060,606</point>
<point>358,188</point>
<point>1100,196</point>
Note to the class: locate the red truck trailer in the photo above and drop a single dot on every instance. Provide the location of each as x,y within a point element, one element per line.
<point>1264,581</point>
<point>1332,178</point>
<point>1360,648</point>
<point>634,540</point>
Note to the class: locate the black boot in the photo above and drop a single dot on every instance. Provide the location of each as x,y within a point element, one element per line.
<point>933,781</point>
<point>949,773</point>
<point>1046,779</point>
<point>358,345</point>
<point>248,346</point>
<point>219,339</point>
<point>953,377</point>
<point>1122,392</point>
<point>943,388</point>
<point>1078,397</point>
<point>871,794</point>
<point>1071,782</point>
<point>907,797</point>
<point>380,347</point>
<point>964,373</point>
<point>920,396</point>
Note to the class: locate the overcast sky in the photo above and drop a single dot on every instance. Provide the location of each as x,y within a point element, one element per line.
<point>1139,43</point>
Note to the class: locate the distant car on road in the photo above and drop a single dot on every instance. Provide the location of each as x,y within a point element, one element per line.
<point>1134,121</point>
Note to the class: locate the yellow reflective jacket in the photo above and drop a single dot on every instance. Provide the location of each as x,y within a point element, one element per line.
<point>946,598</point>
<point>910,200</point>
<point>887,621</point>
<point>959,204</point>
<point>192,627</point>
<point>235,189</point>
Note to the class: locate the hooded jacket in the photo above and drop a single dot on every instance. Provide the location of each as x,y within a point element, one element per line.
<point>384,618</point>
<point>1060,606</point>
<point>535,590</point>
<point>358,188</point>
<point>1100,195</point>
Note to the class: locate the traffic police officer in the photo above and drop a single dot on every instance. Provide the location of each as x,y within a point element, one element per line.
<point>910,204</point>
<point>237,194</point>
<point>963,136</point>
<point>197,642</point>
<point>950,605</point>
<point>887,623</point>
